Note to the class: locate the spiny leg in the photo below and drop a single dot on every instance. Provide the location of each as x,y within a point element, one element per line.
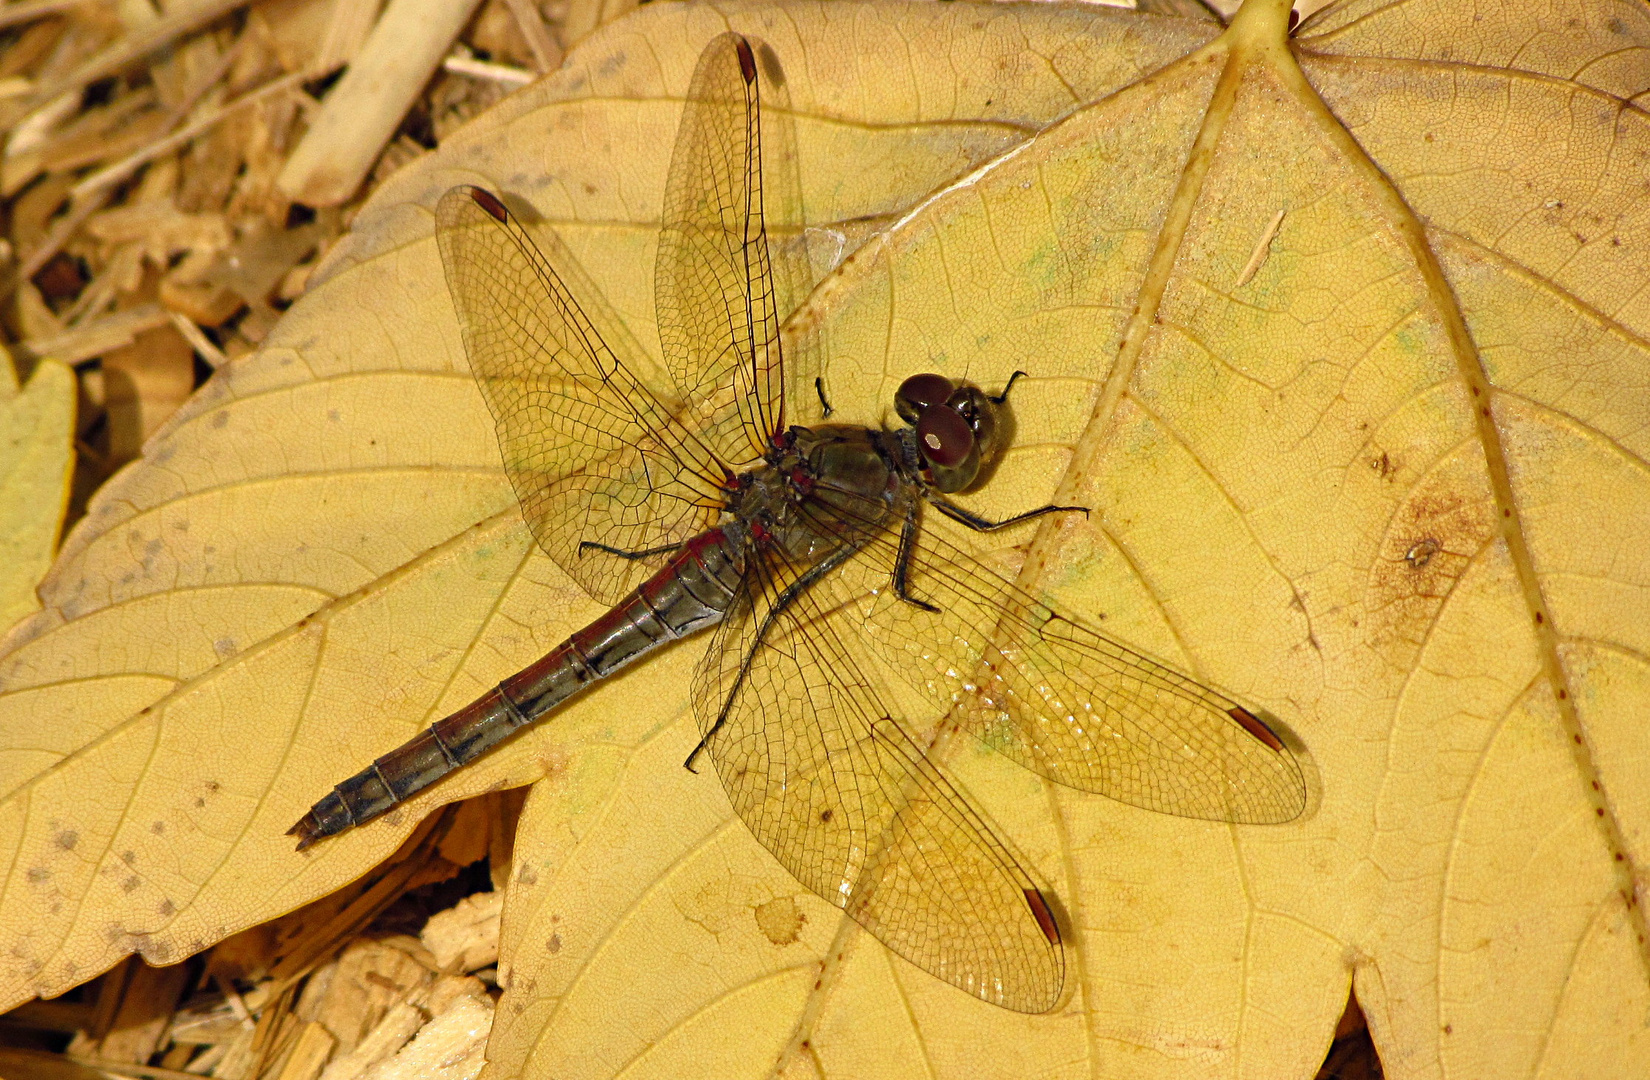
<point>980,524</point>
<point>1002,397</point>
<point>646,553</point>
<point>902,562</point>
<point>780,603</point>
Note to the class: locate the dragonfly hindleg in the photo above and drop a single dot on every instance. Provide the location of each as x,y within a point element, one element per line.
<point>586,546</point>
<point>785,599</point>
<point>980,524</point>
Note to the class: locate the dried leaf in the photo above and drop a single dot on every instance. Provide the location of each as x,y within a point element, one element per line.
<point>36,465</point>
<point>1391,487</point>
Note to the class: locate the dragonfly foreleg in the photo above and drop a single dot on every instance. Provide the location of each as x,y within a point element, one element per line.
<point>819,388</point>
<point>1002,397</point>
<point>902,561</point>
<point>645,553</point>
<point>980,524</point>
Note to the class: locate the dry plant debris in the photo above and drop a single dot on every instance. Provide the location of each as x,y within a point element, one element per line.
<point>170,175</point>
<point>365,984</point>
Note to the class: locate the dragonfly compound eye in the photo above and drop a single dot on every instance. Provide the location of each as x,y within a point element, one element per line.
<point>918,392</point>
<point>944,436</point>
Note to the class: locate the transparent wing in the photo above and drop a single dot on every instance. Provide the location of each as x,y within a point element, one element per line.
<point>713,283</point>
<point>851,807</point>
<point>592,453</point>
<point>1056,697</point>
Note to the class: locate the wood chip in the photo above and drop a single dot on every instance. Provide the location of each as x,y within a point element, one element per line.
<point>465,937</point>
<point>309,1054</point>
<point>139,43</point>
<point>30,10</point>
<point>352,21</point>
<point>209,353</point>
<point>481,69</point>
<point>20,1064</point>
<point>95,338</point>
<point>547,54</point>
<point>362,112</point>
<point>371,977</point>
<point>452,1046</point>
<point>144,1013</point>
<point>389,1035</point>
<point>150,149</point>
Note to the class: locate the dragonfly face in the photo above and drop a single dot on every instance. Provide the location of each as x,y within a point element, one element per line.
<point>953,427</point>
<point>813,557</point>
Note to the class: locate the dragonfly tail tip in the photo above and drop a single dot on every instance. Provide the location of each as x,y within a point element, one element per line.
<point>305,832</point>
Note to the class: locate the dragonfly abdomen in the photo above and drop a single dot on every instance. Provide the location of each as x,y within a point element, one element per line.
<point>692,591</point>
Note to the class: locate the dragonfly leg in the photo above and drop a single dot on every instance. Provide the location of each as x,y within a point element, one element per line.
<point>902,562</point>
<point>980,524</point>
<point>1002,397</point>
<point>819,388</point>
<point>699,747</point>
<point>645,553</point>
<point>780,603</point>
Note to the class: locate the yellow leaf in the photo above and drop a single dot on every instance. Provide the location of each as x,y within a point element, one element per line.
<point>36,465</point>
<point>1377,464</point>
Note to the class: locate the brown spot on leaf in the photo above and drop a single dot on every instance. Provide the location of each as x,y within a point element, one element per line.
<point>780,920</point>
<point>1431,538</point>
<point>554,944</point>
<point>67,839</point>
<point>130,884</point>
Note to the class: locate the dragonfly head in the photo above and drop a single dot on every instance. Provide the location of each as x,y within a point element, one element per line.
<point>956,427</point>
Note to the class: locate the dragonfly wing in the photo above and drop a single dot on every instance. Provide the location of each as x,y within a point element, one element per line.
<point>850,806</point>
<point>713,283</point>
<point>592,453</point>
<point>1059,698</point>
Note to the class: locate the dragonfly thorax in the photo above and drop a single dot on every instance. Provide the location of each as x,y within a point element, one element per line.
<point>819,487</point>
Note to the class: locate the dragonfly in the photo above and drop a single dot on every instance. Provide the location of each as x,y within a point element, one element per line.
<point>807,556</point>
